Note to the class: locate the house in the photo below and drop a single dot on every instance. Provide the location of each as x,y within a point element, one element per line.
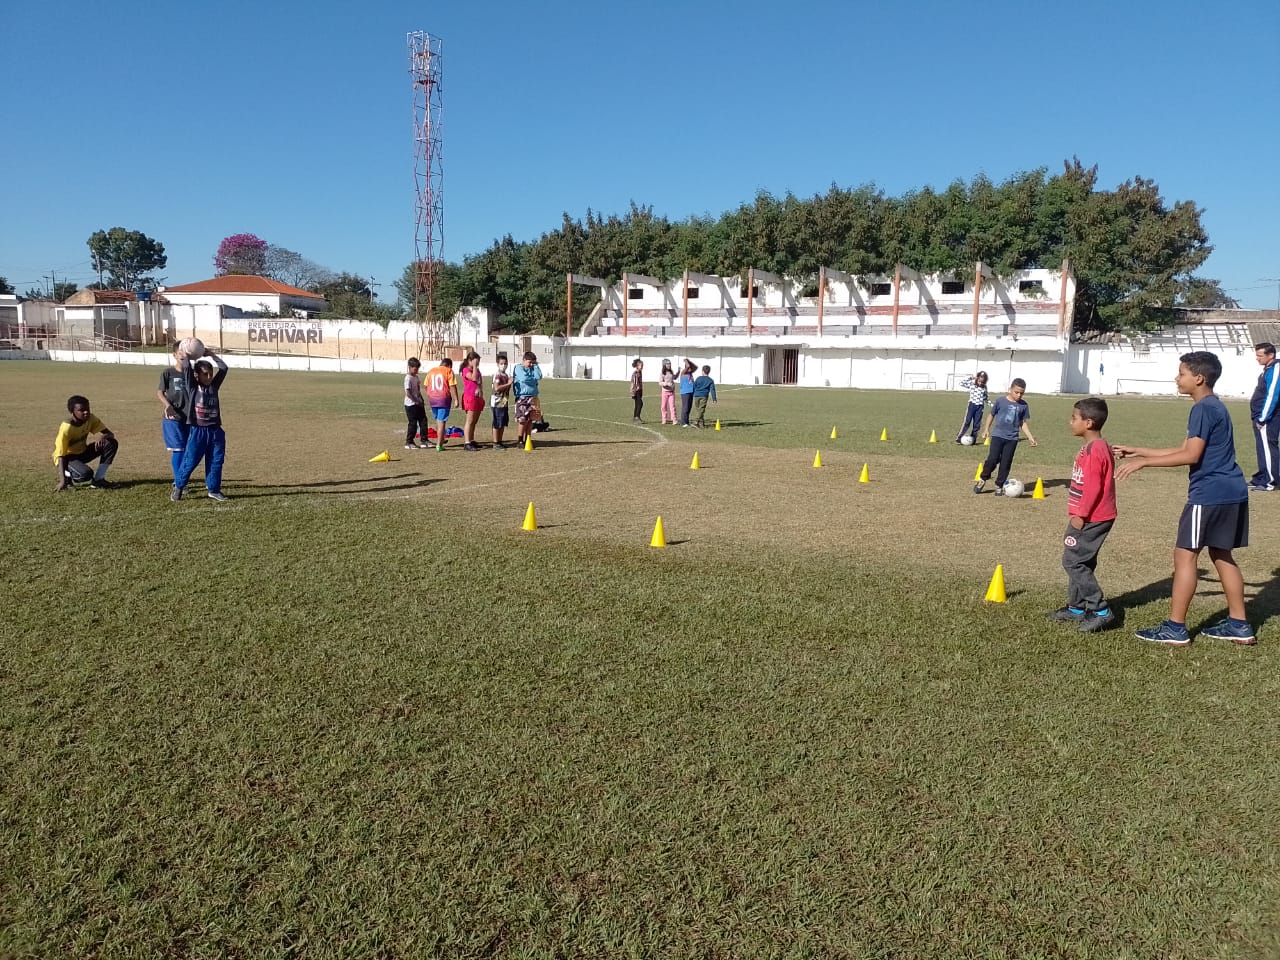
<point>246,295</point>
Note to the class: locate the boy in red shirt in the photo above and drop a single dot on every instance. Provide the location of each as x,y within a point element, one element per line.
<point>1091,513</point>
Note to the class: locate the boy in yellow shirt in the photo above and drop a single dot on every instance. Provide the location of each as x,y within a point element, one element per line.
<point>72,451</point>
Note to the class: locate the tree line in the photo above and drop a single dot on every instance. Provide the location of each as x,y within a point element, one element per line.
<point>1134,256</point>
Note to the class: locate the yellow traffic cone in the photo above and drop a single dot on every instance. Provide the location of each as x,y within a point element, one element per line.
<point>659,538</point>
<point>717,424</point>
<point>817,458</point>
<point>1038,492</point>
<point>884,434</point>
<point>977,474</point>
<point>833,433</point>
<point>694,465</point>
<point>865,475</point>
<point>383,457</point>
<point>933,436</point>
<point>995,590</point>
<point>530,520</point>
<point>528,443</point>
<point>986,442</point>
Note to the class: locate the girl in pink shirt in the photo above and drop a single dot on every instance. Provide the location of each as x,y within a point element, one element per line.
<point>472,399</point>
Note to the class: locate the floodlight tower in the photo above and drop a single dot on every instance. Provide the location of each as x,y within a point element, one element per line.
<point>428,177</point>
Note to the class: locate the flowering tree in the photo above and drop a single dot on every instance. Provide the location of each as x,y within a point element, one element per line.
<point>241,253</point>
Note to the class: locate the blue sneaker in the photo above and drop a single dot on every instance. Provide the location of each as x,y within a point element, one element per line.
<point>1169,633</point>
<point>1233,630</point>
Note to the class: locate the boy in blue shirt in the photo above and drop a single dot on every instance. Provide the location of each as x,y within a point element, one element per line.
<point>1008,415</point>
<point>704,389</point>
<point>1217,511</point>
<point>524,384</point>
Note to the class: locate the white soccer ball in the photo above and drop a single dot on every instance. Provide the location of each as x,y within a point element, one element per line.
<point>1014,488</point>
<point>193,347</point>
<point>967,440</point>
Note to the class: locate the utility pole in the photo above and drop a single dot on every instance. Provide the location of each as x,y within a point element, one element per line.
<point>1276,281</point>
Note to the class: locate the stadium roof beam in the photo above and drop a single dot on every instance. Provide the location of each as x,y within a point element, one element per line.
<point>823,274</point>
<point>752,276</point>
<point>980,271</point>
<point>586,281</point>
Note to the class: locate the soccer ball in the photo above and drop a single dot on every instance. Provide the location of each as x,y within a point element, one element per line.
<point>1014,488</point>
<point>193,347</point>
<point>967,440</point>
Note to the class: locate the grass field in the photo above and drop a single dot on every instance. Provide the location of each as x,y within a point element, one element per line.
<point>356,712</point>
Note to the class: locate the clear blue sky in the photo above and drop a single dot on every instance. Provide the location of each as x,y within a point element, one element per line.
<point>291,120</point>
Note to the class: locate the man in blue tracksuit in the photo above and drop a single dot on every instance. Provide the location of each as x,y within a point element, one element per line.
<point>1266,419</point>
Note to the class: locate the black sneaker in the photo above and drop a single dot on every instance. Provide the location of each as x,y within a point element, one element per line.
<point>1066,615</point>
<point>219,496</point>
<point>96,484</point>
<point>977,487</point>
<point>499,446</point>
<point>1094,621</point>
<point>412,446</point>
<point>999,491</point>
<point>176,495</point>
<point>471,446</point>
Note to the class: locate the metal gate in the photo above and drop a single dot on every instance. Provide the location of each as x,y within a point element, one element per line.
<point>790,365</point>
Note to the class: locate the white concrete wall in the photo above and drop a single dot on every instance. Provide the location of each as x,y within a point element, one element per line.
<point>1111,370</point>
<point>868,363</point>
<point>1105,370</point>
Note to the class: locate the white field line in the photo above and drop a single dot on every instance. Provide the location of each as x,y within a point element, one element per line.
<point>659,441</point>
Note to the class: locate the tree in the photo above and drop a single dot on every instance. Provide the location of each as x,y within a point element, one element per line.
<point>5,285</point>
<point>125,257</point>
<point>61,291</point>
<point>287,266</point>
<point>241,253</point>
<point>1203,292</point>
<point>1133,255</point>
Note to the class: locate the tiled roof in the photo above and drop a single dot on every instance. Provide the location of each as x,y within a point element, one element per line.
<point>244,283</point>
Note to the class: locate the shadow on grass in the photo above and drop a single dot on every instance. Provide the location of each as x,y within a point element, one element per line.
<point>541,440</point>
<point>148,482</point>
<point>319,483</point>
<point>1259,607</point>
<point>302,489</point>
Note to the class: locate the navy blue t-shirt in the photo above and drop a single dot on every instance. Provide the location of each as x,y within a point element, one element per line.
<point>1007,416</point>
<point>1216,478</point>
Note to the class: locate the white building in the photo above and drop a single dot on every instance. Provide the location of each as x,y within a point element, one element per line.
<point>906,331</point>
<point>242,295</point>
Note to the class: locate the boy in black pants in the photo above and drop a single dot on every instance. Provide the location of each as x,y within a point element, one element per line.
<point>72,451</point>
<point>1008,415</point>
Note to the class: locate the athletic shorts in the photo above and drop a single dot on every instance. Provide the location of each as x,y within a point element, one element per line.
<point>440,413</point>
<point>175,435</point>
<point>524,408</point>
<point>501,417</point>
<point>1223,526</point>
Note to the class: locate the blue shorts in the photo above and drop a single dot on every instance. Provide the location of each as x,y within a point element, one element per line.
<point>1221,526</point>
<point>440,413</point>
<point>175,434</point>
<point>501,417</point>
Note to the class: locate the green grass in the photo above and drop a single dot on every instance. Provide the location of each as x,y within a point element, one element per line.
<point>356,712</point>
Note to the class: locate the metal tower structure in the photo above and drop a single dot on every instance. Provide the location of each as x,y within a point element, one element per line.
<point>428,178</point>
